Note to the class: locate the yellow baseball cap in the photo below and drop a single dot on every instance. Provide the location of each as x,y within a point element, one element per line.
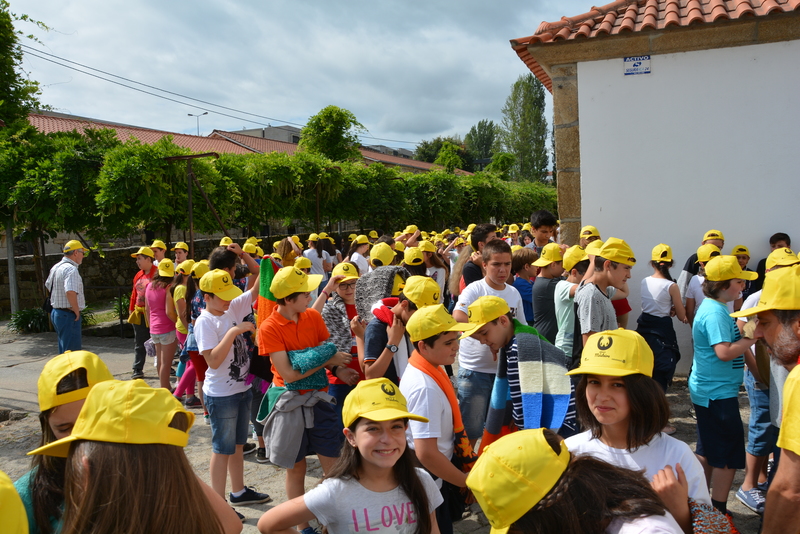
<point>573,256</point>
<point>662,252</point>
<point>276,256</point>
<point>485,309</point>
<point>706,252</point>
<point>617,250</point>
<point>348,270</point>
<point>373,234</point>
<point>290,280</point>
<point>513,474</point>
<point>550,253</point>
<point>313,237</point>
<point>377,399</point>
<point>382,253</point>
<point>589,231</point>
<point>361,240</point>
<point>225,241</point>
<point>166,268</point>
<point>410,229</point>
<point>302,263</point>
<point>713,234</point>
<point>351,237</point>
<point>615,353</point>
<point>181,245</point>
<point>513,229</point>
<point>74,244</point>
<point>185,267</point>
<point>413,256</point>
<point>62,365</point>
<point>259,252</point>
<point>458,242</point>
<point>157,243</point>
<point>12,511</point>
<point>740,250</point>
<point>594,247</point>
<point>200,268</point>
<point>446,232</point>
<point>526,226</point>
<point>399,246</point>
<point>143,251</point>
<point>427,246</point>
<point>781,256</point>
<point>253,240</point>
<point>471,227</point>
<point>781,292</point>
<point>721,268</point>
<point>249,248</point>
<point>515,248</point>
<point>422,291</point>
<point>324,235</point>
<point>125,412</point>
<point>297,242</point>
<point>275,245</point>
<point>430,321</point>
<point>220,284</point>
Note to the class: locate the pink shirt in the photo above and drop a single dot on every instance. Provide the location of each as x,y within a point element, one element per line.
<point>157,301</point>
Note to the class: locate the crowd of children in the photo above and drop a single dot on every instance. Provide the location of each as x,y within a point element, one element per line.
<point>349,357</point>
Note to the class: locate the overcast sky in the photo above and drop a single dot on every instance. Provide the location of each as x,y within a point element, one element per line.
<point>408,70</point>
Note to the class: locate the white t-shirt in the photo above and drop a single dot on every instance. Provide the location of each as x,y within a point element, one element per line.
<point>662,450</point>
<point>439,275</point>
<point>471,354</point>
<point>424,397</point>
<point>564,316</point>
<point>229,378</point>
<point>361,262</point>
<point>656,299</point>
<point>453,259</point>
<point>653,524</point>
<point>346,507</point>
<point>316,261</point>
<point>695,291</point>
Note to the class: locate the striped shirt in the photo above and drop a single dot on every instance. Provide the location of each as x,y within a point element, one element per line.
<point>64,277</point>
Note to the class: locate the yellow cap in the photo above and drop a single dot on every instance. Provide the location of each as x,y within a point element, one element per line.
<point>290,280</point>
<point>471,227</point>
<point>181,245</point>
<point>740,250</point>
<point>259,252</point>
<point>220,284</point>
<point>573,256</point>
<point>351,237</point>
<point>383,253</point>
<point>550,253</point>
<point>200,268</point>
<point>397,234</point>
<point>361,240</point>
<point>157,243</point>
<point>249,248</point>
<point>706,252</point>
<point>253,240</point>
<point>302,262</point>
<point>589,231</point>
<point>275,245</point>
<point>485,309</point>
<point>593,248</point>
<point>125,412</point>
<point>410,229</point>
<point>297,242</point>
<point>185,267</point>
<point>513,474</point>
<point>413,256</point>
<point>313,237</point>
<point>458,242</point>
<point>12,511</point>
<point>430,321</point>
<point>515,248</point>
<point>74,244</point>
<point>422,291</point>
<point>662,252</point>
<point>348,270</point>
<point>373,234</point>
<point>143,251</point>
<point>166,268</point>
<point>781,292</point>
<point>225,241</point>
<point>781,256</point>
<point>62,365</point>
<point>513,229</point>
<point>618,251</point>
<point>427,246</point>
<point>276,256</point>
<point>722,268</point>
<point>615,353</point>
<point>526,227</point>
<point>323,235</point>
<point>377,399</point>
<point>399,246</point>
<point>446,232</point>
<point>713,234</point>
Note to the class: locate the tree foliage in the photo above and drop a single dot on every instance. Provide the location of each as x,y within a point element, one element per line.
<point>428,151</point>
<point>333,133</point>
<point>448,158</point>
<point>481,139</point>
<point>524,132</point>
<point>18,94</point>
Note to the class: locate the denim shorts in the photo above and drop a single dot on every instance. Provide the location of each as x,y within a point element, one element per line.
<point>474,391</point>
<point>761,436</point>
<point>326,437</point>
<point>720,435</point>
<point>230,421</point>
<point>164,339</point>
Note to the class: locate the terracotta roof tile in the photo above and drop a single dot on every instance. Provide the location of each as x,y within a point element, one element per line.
<point>623,16</point>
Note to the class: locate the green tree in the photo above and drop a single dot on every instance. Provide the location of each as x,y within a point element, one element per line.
<point>18,94</point>
<point>481,138</point>
<point>448,157</point>
<point>333,133</point>
<point>524,132</point>
<point>501,164</point>
<point>428,151</point>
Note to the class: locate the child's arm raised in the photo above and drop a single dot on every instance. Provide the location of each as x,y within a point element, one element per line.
<point>214,357</point>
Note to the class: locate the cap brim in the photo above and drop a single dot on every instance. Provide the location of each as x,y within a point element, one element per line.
<point>748,275</point>
<point>604,371</point>
<point>229,294</point>
<point>471,329</point>
<point>59,448</point>
<point>348,278</point>
<point>749,312</point>
<point>390,414</point>
<point>313,281</point>
<point>542,262</point>
<point>503,530</point>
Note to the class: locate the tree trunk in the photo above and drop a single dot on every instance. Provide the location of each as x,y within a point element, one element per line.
<point>12,265</point>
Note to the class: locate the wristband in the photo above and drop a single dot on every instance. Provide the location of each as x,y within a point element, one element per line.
<point>326,293</point>
<point>334,369</point>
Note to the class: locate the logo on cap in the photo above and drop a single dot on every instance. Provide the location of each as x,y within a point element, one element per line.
<point>469,313</point>
<point>388,389</point>
<point>225,280</point>
<point>298,272</point>
<point>604,342</point>
<point>436,296</point>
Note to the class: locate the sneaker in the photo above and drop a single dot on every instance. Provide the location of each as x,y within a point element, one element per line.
<point>206,419</point>
<point>764,487</point>
<point>240,516</point>
<point>753,499</point>
<point>250,497</point>
<point>137,374</point>
<point>691,412</point>
<point>192,402</point>
<point>309,530</point>
<point>261,456</point>
<point>250,448</point>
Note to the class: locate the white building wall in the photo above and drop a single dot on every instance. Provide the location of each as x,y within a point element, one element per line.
<point>709,139</point>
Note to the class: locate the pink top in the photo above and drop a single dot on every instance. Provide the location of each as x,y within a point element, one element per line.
<point>157,301</point>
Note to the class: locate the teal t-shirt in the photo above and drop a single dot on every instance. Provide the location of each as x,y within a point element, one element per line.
<point>711,378</point>
<point>23,487</point>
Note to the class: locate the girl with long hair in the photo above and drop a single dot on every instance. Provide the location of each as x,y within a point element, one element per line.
<point>194,305</point>
<point>434,266</point>
<point>624,411</point>
<point>162,323</point>
<point>127,441</point>
<point>178,291</point>
<point>358,253</point>
<point>374,473</point>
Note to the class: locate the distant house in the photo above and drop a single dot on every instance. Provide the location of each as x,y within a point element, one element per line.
<point>287,134</point>
<point>673,117</point>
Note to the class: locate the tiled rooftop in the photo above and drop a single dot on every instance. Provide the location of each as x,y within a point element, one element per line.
<point>630,16</point>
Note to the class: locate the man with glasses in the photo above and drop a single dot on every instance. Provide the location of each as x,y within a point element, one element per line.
<point>66,296</point>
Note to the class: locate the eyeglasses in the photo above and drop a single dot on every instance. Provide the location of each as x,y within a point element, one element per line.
<point>347,286</point>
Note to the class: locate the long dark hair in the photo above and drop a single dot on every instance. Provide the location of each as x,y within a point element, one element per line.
<point>348,465</point>
<point>663,267</point>
<point>649,409</point>
<point>161,282</point>
<point>191,289</point>
<point>317,247</point>
<point>589,495</point>
<point>47,486</point>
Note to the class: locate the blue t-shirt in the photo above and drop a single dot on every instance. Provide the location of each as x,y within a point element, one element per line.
<point>23,487</point>
<point>525,288</point>
<point>712,378</point>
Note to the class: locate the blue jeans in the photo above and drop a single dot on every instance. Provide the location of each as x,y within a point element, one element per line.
<point>761,436</point>
<point>230,420</point>
<point>67,329</point>
<point>474,391</point>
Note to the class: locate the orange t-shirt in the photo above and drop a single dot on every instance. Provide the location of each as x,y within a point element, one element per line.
<point>278,334</point>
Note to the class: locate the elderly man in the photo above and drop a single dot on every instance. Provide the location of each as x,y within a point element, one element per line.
<point>779,326</point>
<point>66,296</point>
